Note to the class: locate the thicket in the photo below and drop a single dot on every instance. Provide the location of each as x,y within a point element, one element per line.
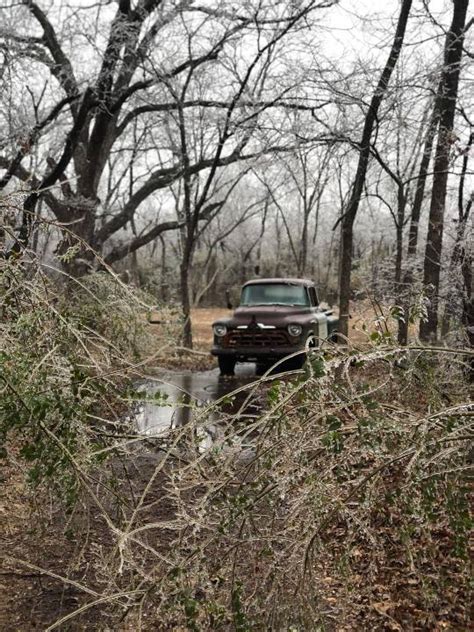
<point>343,501</point>
<point>69,350</point>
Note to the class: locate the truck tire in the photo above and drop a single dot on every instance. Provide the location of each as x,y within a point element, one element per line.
<point>334,337</point>
<point>295,363</point>
<point>298,361</point>
<point>261,367</point>
<point>226,365</point>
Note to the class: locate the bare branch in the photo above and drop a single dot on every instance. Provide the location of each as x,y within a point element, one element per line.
<point>30,141</point>
<point>62,69</point>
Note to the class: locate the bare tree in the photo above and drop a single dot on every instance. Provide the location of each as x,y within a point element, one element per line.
<point>364,146</point>
<point>304,175</point>
<point>460,267</point>
<point>415,221</point>
<point>446,105</point>
<point>400,163</point>
<point>130,85</point>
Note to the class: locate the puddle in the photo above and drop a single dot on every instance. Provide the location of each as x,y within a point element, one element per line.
<point>187,392</point>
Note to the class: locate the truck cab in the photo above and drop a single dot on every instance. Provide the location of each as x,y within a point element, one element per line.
<point>276,318</point>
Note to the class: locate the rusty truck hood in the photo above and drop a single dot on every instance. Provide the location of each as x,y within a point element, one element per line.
<point>274,315</point>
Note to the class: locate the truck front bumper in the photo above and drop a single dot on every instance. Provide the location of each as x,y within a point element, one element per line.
<point>256,353</point>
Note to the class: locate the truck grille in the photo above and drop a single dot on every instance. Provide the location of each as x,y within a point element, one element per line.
<point>257,338</point>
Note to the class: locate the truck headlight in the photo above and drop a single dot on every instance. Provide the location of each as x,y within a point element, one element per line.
<point>220,330</point>
<point>295,330</point>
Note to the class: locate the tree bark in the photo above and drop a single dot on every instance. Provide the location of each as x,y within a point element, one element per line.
<point>447,106</point>
<point>347,221</point>
<point>76,247</point>
<point>421,182</point>
<point>415,221</point>
<point>186,304</point>
<point>461,257</point>
<point>399,256</point>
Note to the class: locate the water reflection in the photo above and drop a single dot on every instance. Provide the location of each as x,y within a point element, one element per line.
<point>181,394</point>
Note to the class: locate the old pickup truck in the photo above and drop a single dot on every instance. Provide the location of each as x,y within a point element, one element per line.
<point>275,319</point>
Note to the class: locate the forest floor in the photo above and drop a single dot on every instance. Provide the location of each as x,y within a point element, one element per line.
<point>49,562</point>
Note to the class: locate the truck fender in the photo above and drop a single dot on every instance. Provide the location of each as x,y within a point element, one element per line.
<point>320,326</point>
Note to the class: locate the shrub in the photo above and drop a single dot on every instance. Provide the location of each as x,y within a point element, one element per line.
<point>64,364</point>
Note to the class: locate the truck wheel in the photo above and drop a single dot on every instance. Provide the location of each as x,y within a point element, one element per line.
<point>226,365</point>
<point>262,367</point>
<point>334,337</point>
<point>298,361</point>
<point>294,364</point>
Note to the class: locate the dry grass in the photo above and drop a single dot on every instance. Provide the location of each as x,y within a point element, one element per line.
<point>202,319</point>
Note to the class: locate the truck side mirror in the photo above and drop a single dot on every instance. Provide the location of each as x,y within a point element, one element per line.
<point>229,302</point>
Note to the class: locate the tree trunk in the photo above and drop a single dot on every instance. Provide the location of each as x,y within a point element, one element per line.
<point>349,216</point>
<point>186,304</point>
<point>304,242</point>
<point>36,230</point>
<point>399,255</point>
<point>459,255</point>
<point>399,289</point>
<point>447,105</point>
<point>457,280</point>
<point>345,276</point>
<point>421,182</point>
<point>468,308</point>
<point>276,272</point>
<point>415,220</point>
<point>163,272</point>
<point>77,246</point>
<point>398,259</point>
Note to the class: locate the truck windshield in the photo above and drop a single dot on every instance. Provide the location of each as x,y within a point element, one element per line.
<point>274,294</point>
